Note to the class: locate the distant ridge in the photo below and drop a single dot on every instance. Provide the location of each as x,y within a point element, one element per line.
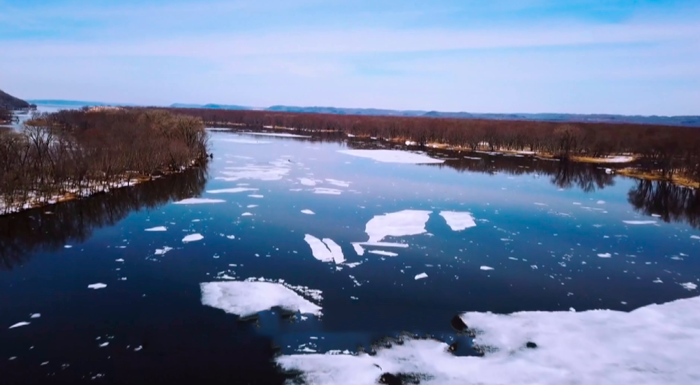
<point>12,103</point>
<point>685,121</point>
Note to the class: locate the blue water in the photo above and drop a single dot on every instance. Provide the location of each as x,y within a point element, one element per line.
<point>523,220</point>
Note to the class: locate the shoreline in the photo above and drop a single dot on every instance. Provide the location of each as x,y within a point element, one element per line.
<point>71,196</point>
<point>619,160</point>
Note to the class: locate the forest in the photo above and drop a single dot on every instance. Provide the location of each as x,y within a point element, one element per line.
<point>75,153</point>
<point>666,151</point>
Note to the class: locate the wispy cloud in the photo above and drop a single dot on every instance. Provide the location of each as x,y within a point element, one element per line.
<point>535,55</point>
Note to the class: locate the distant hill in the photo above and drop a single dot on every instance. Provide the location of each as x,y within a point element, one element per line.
<point>688,121</point>
<point>12,103</point>
<point>212,106</point>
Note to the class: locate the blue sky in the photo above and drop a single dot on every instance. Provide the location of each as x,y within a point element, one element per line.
<point>598,56</point>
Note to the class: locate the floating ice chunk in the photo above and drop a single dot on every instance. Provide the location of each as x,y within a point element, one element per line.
<point>192,238</point>
<point>35,315</point>
<point>307,212</point>
<point>658,280</point>
<point>540,204</point>
<point>358,249</point>
<point>640,222</point>
<point>384,244</point>
<point>695,237</point>
<point>393,156</point>
<point>458,221</point>
<point>353,265</point>
<point>249,298</point>
<point>600,202</point>
<point>19,324</point>
<point>261,172</point>
<point>600,347</point>
<point>231,190</point>
<point>104,344</point>
<point>326,250</point>
<point>689,286</point>
<point>158,228</point>
<point>67,246</point>
<point>339,183</point>
<point>246,214</point>
<point>162,251</point>
<point>256,196</point>
<point>243,141</point>
<point>327,191</point>
<point>138,348</point>
<point>198,201</point>
<point>307,182</point>
<point>96,286</point>
<point>421,276</point>
<point>656,215</point>
<point>398,224</point>
<point>251,206</point>
<point>231,236</point>
<point>604,255</point>
<point>384,253</point>
<point>486,268</point>
<point>281,135</point>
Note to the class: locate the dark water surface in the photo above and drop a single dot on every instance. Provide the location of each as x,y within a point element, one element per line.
<point>540,225</point>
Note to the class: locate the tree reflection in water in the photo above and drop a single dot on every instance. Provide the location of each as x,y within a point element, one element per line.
<point>49,228</point>
<point>672,203</point>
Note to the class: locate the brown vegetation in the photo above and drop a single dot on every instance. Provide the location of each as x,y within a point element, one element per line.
<point>666,151</point>
<point>85,152</point>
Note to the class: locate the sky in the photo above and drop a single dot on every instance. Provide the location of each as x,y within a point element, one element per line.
<point>569,56</point>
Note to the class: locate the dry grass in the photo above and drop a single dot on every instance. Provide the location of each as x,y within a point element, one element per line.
<point>649,175</point>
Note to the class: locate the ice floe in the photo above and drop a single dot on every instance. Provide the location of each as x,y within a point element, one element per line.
<point>326,250</point>
<point>307,182</point>
<point>256,196</point>
<point>689,286</point>
<point>246,214</point>
<point>243,141</point>
<point>486,268</point>
<point>358,248</point>
<point>307,212</point>
<point>19,324</point>
<point>257,172</point>
<point>420,276</point>
<point>280,135</point>
<point>640,222</point>
<point>231,190</point>
<point>158,228</point>
<point>384,253</point>
<point>398,224</point>
<point>198,201</point>
<point>458,221</point>
<point>393,156</point>
<point>162,251</point>
<point>652,345</point>
<point>604,255</point>
<point>97,286</point>
<point>192,238</point>
<point>35,315</point>
<point>695,237</point>
<point>247,298</point>
<point>327,191</point>
<point>339,183</point>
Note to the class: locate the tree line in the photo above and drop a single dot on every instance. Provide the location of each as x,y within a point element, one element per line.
<point>82,152</point>
<point>665,150</point>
